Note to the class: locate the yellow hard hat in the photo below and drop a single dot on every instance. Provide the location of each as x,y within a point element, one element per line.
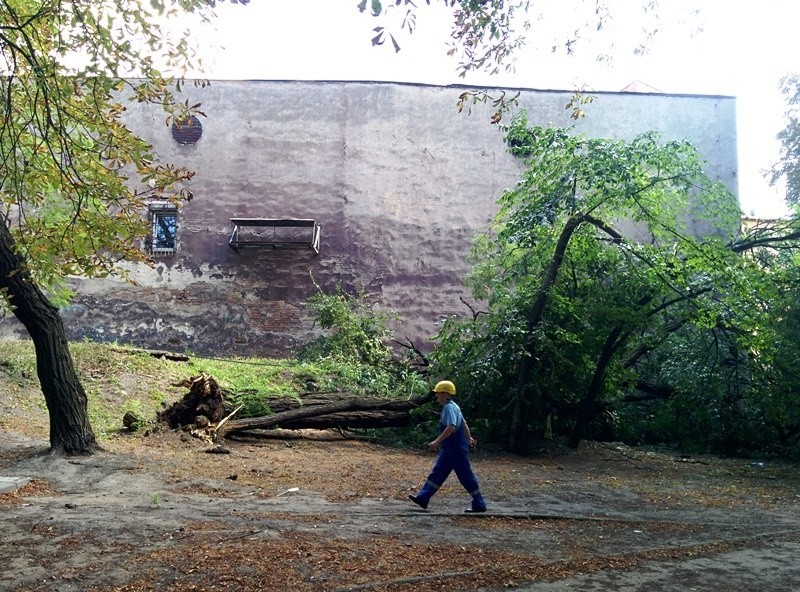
<point>445,386</point>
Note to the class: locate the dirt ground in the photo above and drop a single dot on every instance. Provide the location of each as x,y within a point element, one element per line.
<point>162,513</point>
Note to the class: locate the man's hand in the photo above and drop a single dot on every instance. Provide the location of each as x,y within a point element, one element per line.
<point>433,446</point>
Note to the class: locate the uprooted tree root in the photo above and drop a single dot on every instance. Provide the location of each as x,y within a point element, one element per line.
<point>202,406</point>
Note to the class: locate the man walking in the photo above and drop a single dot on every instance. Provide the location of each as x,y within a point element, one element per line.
<point>453,443</point>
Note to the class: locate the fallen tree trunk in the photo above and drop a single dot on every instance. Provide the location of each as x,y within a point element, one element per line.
<point>353,419</point>
<point>342,414</point>
<point>202,410</point>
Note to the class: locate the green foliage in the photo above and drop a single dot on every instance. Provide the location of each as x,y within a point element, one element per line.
<point>356,331</point>
<point>734,375</point>
<point>776,392</point>
<point>595,282</point>
<point>701,413</point>
<point>354,347</point>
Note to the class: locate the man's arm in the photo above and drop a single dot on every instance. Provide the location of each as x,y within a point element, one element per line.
<point>472,441</point>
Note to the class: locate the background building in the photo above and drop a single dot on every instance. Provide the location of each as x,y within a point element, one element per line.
<point>396,178</point>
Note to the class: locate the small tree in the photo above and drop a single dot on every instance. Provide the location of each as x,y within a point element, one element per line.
<point>357,341</point>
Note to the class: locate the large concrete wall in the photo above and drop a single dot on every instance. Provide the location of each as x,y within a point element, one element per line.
<point>398,179</point>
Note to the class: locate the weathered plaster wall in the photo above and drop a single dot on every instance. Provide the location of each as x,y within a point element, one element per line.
<point>398,179</point>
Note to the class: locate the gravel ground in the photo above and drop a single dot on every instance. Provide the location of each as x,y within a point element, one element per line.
<point>162,513</point>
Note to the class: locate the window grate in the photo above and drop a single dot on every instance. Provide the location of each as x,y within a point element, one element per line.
<point>163,239</point>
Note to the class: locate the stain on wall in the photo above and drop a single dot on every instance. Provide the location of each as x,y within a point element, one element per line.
<point>399,181</point>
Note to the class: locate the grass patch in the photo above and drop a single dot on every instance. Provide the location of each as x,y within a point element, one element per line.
<point>119,379</point>
<point>271,378</point>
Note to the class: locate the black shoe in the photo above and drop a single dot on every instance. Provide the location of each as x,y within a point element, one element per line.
<point>422,503</point>
<point>475,510</point>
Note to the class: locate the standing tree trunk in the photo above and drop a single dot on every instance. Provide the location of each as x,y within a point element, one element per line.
<point>525,404</point>
<point>70,432</point>
<point>588,408</point>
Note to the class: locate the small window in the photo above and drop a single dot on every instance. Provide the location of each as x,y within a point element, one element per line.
<point>163,239</point>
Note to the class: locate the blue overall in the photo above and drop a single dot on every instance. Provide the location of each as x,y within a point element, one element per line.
<point>453,456</point>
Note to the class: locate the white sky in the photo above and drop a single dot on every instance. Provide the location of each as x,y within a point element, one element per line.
<point>733,47</point>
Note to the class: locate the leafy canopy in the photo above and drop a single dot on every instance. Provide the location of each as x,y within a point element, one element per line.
<point>596,257</point>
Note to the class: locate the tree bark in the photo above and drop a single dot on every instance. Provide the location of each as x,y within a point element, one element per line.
<point>345,413</point>
<point>66,400</point>
<point>588,407</point>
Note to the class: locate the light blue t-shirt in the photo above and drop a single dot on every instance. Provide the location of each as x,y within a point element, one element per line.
<point>451,415</point>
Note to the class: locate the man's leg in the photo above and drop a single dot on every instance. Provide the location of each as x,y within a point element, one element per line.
<point>468,479</point>
<point>439,473</point>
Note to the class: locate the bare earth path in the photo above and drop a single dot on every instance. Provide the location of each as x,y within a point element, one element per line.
<point>160,513</point>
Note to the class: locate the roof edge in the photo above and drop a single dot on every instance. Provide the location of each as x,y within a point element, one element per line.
<point>467,87</point>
